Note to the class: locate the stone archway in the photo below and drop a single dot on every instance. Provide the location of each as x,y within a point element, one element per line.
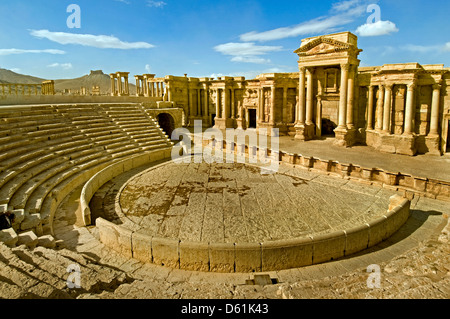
<point>167,123</point>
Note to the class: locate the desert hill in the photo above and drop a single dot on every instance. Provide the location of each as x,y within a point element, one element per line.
<point>95,78</point>
<point>8,76</point>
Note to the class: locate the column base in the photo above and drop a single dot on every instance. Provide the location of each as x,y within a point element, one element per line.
<point>345,137</point>
<point>305,132</point>
<point>241,124</point>
<point>223,124</point>
<point>389,143</point>
<point>433,144</point>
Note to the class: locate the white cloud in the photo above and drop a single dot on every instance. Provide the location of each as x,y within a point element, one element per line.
<point>250,59</point>
<point>156,4</point>
<point>447,47</point>
<point>64,66</point>
<point>245,49</point>
<point>376,29</point>
<point>97,41</point>
<point>342,13</point>
<point>20,51</point>
<point>247,52</point>
<point>123,1</point>
<point>344,5</point>
<point>148,68</point>
<point>16,70</point>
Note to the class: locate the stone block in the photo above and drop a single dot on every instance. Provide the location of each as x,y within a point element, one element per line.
<point>286,254</point>
<point>9,237</point>
<point>377,231</point>
<point>142,247</point>
<point>30,222</point>
<point>328,247</point>
<point>397,217</point>
<point>28,239</point>
<point>47,241</point>
<point>3,208</point>
<point>165,252</point>
<point>115,237</point>
<point>221,257</point>
<point>357,239</point>
<point>248,257</point>
<point>194,256</point>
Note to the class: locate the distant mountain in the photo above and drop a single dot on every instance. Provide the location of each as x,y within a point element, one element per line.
<point>95,78</point>
<point>8,76</point>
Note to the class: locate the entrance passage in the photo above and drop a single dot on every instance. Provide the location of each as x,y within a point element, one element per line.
<point>328,127</point>
<point>167,123</point>
<point>251,118</point>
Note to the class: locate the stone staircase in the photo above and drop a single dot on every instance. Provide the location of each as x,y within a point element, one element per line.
<point>43,273</point>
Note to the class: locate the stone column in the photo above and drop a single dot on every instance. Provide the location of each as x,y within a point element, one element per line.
<point>206,102</point>
<point>226,104</point>
<point>216,92</point>
<point>309,97</point>
<point>435,107</point>
<point>301,107</point>
<point>343,97</point>
<point>233,106</point>
<point>199,103</point>
<point>284,109</point>
<point>379,111</point>
<point>351,98</point>
<point>387,108</point>
<point>138,86</point>
<point>272,106</point>
<point>409,110</point>
<point>119,85</point>
<point>262,115</point>
<point>113,86</point>
<point>370,109</point>
<point>127,87</point>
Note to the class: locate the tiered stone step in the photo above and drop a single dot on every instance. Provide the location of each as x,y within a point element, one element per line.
<point>45,150</point>
<point>42,273</point>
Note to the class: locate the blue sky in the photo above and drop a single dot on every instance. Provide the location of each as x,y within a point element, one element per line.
<point>209,37</point>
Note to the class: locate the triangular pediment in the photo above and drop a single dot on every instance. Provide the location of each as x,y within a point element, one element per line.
<point>322,45</point>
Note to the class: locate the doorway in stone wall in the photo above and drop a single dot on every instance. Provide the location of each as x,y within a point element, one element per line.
<point>167,123</point>
<point>251,118</point>
<point>328,128</point>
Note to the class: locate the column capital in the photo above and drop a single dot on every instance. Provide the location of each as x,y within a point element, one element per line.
<point>302,69</point>
<point>437,86</point>
<point>310,70</point>
<point>345,66</point>
<point>411,86</point>
<point>388,86</point>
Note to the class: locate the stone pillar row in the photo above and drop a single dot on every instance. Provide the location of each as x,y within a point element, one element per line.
<point>7,88</point>
<point>384,108</point>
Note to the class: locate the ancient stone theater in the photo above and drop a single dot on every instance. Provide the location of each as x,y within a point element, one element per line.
<point>94,205</point>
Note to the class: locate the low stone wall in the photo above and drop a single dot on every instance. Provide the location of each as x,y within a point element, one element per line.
<point>254,257</point>
<point>112,171</point>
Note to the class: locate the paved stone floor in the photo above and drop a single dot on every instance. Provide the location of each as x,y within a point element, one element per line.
<point>235,203</point>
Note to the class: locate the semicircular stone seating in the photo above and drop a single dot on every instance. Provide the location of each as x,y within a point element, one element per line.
<point>46,151</point>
